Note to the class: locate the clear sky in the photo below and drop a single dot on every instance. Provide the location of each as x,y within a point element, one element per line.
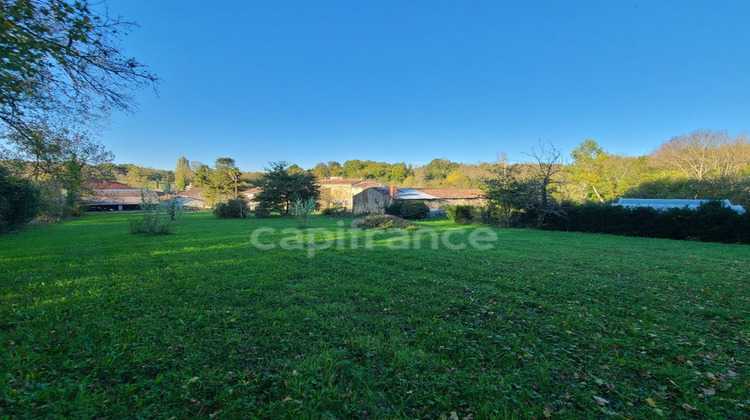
<point>410,81</point>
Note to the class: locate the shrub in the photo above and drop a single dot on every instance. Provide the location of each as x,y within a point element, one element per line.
<point>151,224</point>
<point>303,209</point>
<point>395,208</point>
<point>408,209</point>
<point>413,210</point>
<point>155,217</point>
<point>333,211</point>
<point>710,222</point>
<point>19,201</point>
<point>262,212</point>
<point>383,221</point>
<point>173,208</point>
<point>460,213</point>
<point>235,208</point>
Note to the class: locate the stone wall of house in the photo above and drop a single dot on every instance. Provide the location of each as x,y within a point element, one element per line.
<point>370,201</point>
<point>340,195</point>
<point>479,202</point>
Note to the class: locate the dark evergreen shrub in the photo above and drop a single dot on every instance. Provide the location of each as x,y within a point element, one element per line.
<point>711,222</point>
<point>235,208</point>
<point>19,201</point>
<point>262,212</point>
<point>395,208</point>
<point>461,213</point>
<point>413,209</point>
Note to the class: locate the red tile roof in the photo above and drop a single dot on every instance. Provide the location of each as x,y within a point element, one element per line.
<point>254,190</point>
<point>193,192</point>
<point>110,186</point>
<point>457,193</point>
<point>340,181</point>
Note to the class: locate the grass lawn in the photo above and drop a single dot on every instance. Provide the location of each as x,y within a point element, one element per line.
<point>98,323</point>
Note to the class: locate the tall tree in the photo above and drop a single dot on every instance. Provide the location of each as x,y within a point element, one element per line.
<point>280,187</point>
<point>509,193</point>
<point>182,174</point>
<point>588,170</point>
<point>549,165</point>
<point>222,180</point>
<point>203,175</point>
<point>61,64</point>
<point>60,162</point>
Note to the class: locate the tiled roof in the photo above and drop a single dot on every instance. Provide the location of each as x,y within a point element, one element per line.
<point>110,186</point>
<point>457,193</point>
<point>254,190</point>
<point>123,196</point>
<point>433,193</point>
<point>340,181</point>
<point>193,192</point>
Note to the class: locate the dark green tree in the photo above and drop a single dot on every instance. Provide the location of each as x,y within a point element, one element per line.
<point>222,181</point>
<point>203,175</point>
<point>280,187</point>
<point>19,201</point>
<point>510,195</point>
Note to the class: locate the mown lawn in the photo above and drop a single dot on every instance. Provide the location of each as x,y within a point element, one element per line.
<point>98,323</point>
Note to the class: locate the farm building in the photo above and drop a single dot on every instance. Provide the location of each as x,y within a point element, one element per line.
<point>666,204</point>
<point>192,198</point>
<point>337,191</point>
<point>109,196</point>
<point>375,200</point>
<point>250,197</point>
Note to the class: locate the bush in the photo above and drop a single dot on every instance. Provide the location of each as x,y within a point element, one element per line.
<point>460,213</point>
<point>19,201</point>
<point>156,216</point>
<point>711,222</point>
<point>412,210</point>
<point>302,210</point>
<point>408,209</point>
<point>262,212</point>
<point>151,223</point>
<point>395,208</point>
<point>333,211</point>
<point>235,208</point>
<point>382,221</point>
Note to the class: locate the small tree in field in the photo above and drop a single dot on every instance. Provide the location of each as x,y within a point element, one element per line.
<point>303,209</point>
<point>155,219</point>
<point>172,206</point>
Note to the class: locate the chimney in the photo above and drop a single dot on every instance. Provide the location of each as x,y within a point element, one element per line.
<point>394,191</point>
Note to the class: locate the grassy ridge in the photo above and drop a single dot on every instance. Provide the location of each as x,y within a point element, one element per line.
<point>96,322</point>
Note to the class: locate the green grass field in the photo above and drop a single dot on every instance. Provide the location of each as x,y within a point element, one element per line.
<point>98,323</point>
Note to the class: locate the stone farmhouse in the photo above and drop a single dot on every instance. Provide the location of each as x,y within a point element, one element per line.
<point>375,200</point>
<point>337,191</point>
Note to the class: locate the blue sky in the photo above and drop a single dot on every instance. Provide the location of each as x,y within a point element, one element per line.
<point>410,81</point>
